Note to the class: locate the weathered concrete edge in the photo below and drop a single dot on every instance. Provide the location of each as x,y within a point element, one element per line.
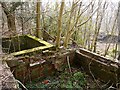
<point>106,58</point>
<point>39,40</point>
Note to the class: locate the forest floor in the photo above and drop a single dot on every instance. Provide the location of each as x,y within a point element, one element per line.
<point>73,79</point>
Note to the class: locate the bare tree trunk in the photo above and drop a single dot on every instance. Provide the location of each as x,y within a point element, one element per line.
<point>10,13</point>
<point>118,21</point>
<point>115,55</point>
<point>22,20</point>
<point>98,25</point>
<point>38,19</point>
<point>11,23</point>
<point>112,34</point>
<point>69,28</point>
<point>1,28</point>
<point>59,24</point>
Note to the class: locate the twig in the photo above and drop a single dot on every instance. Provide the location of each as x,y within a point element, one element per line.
<point>4,79</point>
<point>21,84</point>
<point>93,76</point>
<point>105,84</point>
<point>111,87</point>
<point>68,61</point>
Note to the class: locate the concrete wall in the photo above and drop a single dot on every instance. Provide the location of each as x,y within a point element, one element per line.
<point>25,71</point>
<point>19,43</point>
<point>101,68</point>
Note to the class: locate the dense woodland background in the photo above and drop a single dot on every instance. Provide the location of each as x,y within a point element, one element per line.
<point>68,24</point>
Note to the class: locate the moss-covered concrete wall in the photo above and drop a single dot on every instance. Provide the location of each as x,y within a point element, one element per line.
<point>14,44</point>
<point>23,44</point>
<point>31,43</point>
<point>101,68</point>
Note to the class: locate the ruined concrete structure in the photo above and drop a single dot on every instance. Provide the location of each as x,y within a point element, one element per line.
<point>36,60</point>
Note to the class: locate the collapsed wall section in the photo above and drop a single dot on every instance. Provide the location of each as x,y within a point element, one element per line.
<point>98,67</point>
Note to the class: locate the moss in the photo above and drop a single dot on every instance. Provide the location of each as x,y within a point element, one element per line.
<point>39,40</point>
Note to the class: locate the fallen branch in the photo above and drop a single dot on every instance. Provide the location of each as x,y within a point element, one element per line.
<point>21,84</point>
<point>93,76</point>
<point>68,61</point>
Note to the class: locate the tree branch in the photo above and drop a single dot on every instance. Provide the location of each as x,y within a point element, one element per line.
<point>15,5</point>
<point>5,9</point>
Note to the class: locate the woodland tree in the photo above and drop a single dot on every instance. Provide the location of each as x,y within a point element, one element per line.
<point>38,6</point>
<point>10,14</point>
<point>118,21</point>
<point>59,24</point>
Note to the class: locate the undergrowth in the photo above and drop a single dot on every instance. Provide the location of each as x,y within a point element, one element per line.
<point>64,79</point>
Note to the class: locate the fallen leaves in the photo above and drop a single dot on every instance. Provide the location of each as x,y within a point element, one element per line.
<point>46,81</point>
